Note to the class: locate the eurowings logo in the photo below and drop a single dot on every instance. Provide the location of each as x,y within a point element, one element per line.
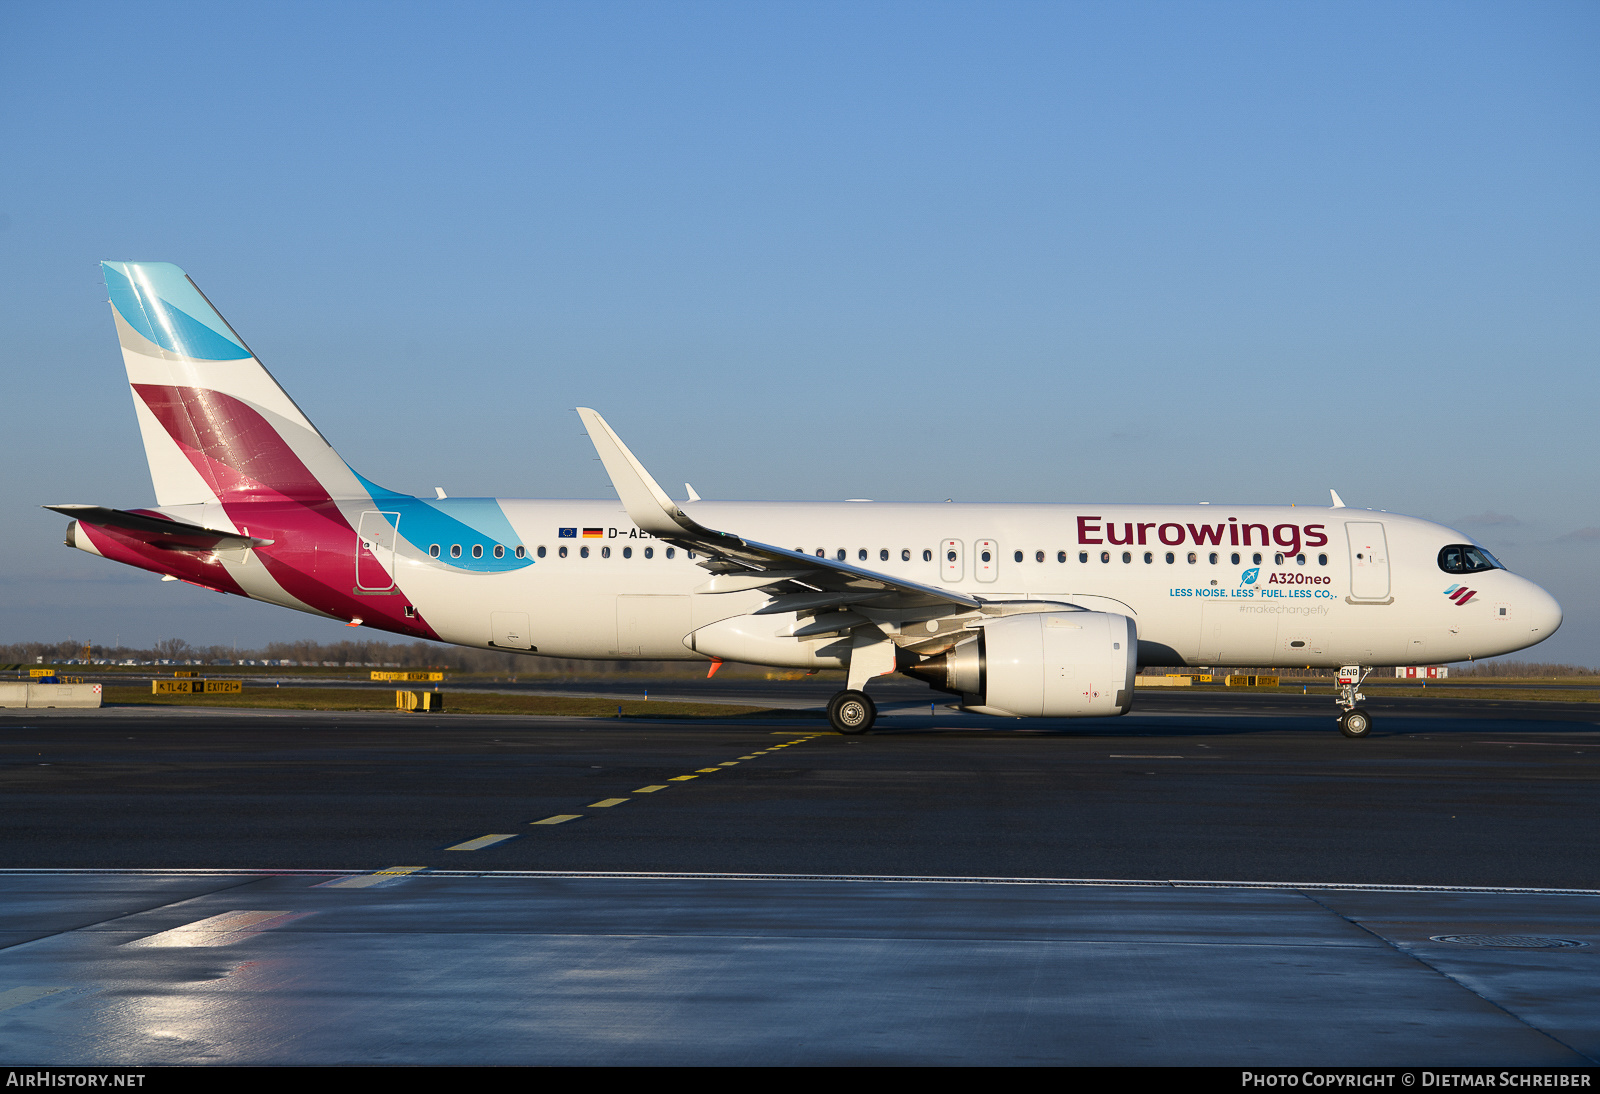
<point>1250,575</point>
<point>1460,594</point>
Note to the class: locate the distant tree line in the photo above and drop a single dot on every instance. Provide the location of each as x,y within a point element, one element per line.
<point>416,655</point>
<point>351,654</point>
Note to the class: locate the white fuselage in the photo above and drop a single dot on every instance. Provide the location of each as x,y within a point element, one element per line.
<point>1331,587</point>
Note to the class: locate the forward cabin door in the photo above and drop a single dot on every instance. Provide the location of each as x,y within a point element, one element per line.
<point>1369,561</point>
<point>375,551</point>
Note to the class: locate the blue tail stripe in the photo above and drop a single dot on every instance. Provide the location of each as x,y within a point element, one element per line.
<point>159,318</point>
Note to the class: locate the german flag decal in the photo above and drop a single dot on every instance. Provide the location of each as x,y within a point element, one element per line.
<point>594,533</point>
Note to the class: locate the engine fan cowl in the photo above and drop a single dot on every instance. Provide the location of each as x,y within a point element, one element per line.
<point>1042,665</point>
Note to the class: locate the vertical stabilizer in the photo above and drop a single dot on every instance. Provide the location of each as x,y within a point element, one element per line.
<point>216,425</point>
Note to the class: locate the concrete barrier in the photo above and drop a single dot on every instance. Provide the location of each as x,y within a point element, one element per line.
<point>43,696</point>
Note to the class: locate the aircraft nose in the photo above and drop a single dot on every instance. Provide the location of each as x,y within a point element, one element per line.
<point>1544,614</point>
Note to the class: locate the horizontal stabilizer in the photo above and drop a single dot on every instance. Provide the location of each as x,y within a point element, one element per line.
<point>172,535</point>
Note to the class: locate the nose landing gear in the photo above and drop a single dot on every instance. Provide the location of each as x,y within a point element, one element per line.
<point>1354,721</point>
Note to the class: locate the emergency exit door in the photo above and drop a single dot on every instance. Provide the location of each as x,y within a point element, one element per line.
<point>951,567</point>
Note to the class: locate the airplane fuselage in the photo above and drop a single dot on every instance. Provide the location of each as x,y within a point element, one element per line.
<point>1205,584</point>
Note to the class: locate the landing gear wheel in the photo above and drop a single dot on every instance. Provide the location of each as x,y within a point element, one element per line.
<point>1355,722</point>
<point>852,712</point>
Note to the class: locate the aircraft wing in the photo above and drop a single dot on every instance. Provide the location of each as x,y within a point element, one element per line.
<point>172,535</point>
<point>796,581</point>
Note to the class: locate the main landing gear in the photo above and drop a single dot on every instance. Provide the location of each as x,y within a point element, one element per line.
<point>1354,721</point>
<point>852,712</point>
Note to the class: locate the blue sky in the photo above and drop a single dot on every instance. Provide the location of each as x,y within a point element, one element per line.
<point>1034,252</point>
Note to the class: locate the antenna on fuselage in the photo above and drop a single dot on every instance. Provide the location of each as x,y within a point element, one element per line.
<point>1338,502</point>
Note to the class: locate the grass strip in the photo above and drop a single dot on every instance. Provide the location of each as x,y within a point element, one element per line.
<point>456,702</point>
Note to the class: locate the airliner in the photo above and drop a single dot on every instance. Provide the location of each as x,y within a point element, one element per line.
<point>1042,611</point>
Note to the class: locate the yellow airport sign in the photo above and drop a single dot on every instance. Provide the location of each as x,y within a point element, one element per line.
<point>1252,682</point>
<point>409,677</point>
<point>195,687</point>
<point>419,701</point>
<point>41,672</point>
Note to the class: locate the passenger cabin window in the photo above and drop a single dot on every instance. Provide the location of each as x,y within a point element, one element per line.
<point>671,551</point>
<point>583,552</point>
<point>861,555</point>
<point>927,556</point>
<point>1038,556</point>
<point>477,550</point>
<point>649,552</point>
<point>1256,558</point>
<point>455,550</point>
<point>1322,560</point>
<point>1149,557</point>
<point>1464,558</point>
<point>605,552</point>
<point>1016,556</point>
<point>1061,556</point>
<point>1083,556</point>
<point>539,552</point>
<point>1193,558</point>
<point>562,551</point>
<point>433,552</point>
<point>627,552</point>
<point>1127,556</point>
<point>1213,558</point>
<point>905,554</point>
<point>1171,558</point>
<point>1105,556</point>
<point>1277,559</point>
<point>1235,558</point>
<point>883,554</point>
<point>840,555</point>
<point>499,551</point>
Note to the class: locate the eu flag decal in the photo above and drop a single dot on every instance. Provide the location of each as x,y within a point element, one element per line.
<point>566,533</point>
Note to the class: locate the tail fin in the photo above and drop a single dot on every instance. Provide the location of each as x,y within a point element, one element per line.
<point>216,425</point>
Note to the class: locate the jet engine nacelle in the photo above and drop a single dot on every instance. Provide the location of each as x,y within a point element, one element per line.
<point>1043,665</point>
<point>766,640</point>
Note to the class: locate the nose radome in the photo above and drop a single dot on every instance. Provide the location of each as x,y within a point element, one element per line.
<point>1544,614</point>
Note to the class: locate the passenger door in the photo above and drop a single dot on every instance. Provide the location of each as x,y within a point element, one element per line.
<point>375,551</point>
<point>1369,561</point>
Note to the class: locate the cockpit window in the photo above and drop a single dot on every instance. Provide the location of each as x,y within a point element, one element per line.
<point>1464,558</point>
